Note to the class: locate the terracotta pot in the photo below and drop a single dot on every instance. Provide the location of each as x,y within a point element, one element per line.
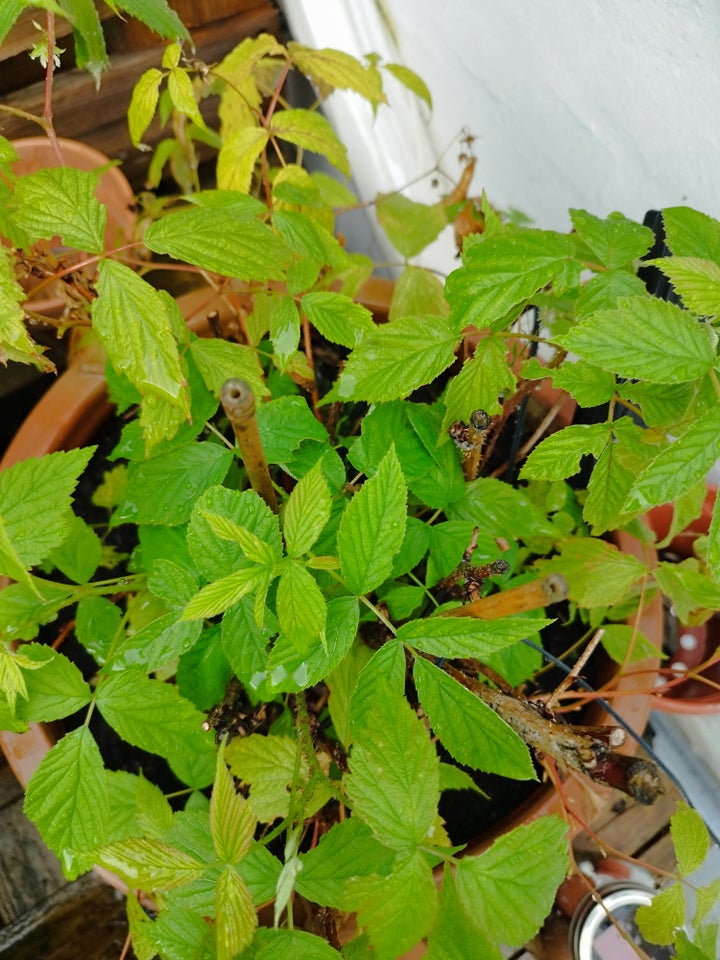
<point>113,190</point>
<point>692,645</point>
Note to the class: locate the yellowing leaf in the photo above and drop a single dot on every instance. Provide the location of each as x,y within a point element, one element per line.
<point>408,78</point>
<point>334,69</point>
<point>238,156</point>
<point>143,103</point>
<point>311,131</point>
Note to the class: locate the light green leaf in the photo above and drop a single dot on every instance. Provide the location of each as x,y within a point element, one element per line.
<point>80,554</point>
<point>232,823</point>
<point>67,798</point>
<point>55,690</point>
<point>713,542</point>
<point>307,512</point>
<point>149,864</point>
<point>238,156</point>
<point>481,384</point>
<point>616,241</point>
<point>61,202</point>
<point>216,597</point>
<point>690,233</point>
<point>216,240</point>
<point>410,226</point>
<point>157,15</point>
<point>470,730</point>
<point>284,424</point>
<point>418,291</point>
<point>218,360</point>
<point>132,321</point>
<point>311,131</point>
<point>10,563</point>
<point>284,331</point>
<point>153,716</point>
<point>384,425</point>
<point>644,338</point>
<point>454,637</point>
<point>90,52</point>
<point>689,589</point>
<point>501,272</point>
<point>393,784</point>
<point>372,528</point>
<point>143,104</point>
<point>398,910</point>
<point>659,921</point>
<point>681,464</point>
<point>558,456</point>
<point>589,385</point>
<point>617,639</point>
<point>9,13</point>
<point>408,78</point>
<point>397,358</point>
<point>182,96</point>
<point>696,281</point>
<point>598,574</point>
<point>453,778</point>
<point>15,344</point>
<point>254,548</point>
<point>301,607</point>
<point>385,668</point>
<point>501,511</point>
<point>348,850</point>
<point>336,69</point>
<point>283,944</point>
<point>337,317</point>
<point>164,489</point>
<point>690,838</point>
<point>235,915</point>
<point>524,867</point>
<point>610,483</point>
<point>455,935</point>
<point>35,498</point>
<point>603,291</point>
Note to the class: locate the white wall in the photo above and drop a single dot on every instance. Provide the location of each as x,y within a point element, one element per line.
<point>601,104</point>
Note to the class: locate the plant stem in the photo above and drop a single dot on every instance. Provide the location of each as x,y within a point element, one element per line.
<point>238,402</point>
<point>49,71</point>
<point>528,596</point>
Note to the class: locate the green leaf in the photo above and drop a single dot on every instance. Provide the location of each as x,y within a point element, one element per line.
<point>216,240</point>
<point>615,241</point>
<point>408,78</point>
<point>132,321</point>
<point>164,489</point>
<point>393,784</point>
<point>138,808</point>
<point>143,104</point>
<point>688,588</point>
<point>80,554</point>
<point>444,483</point>
<point>619,638</point>
<point>410,226</point>
<point>232,823</point>
<point>35,498</point>
<point>336,69</point>
<point>454,637</point>
<point>603,291</point>
<point>610,483</point>
<point>348,850</point>
<point>9,13</point>
<point>589,385</point>
<point>453,778</point>
<point>696,281</point>
<point>470,730</point>
<point>284,330</point>
<point>481,384</point>
<point>558,456</point>
<point>686,950</point>
<point>398,910</point>
<point>659,921</point>
<point>282,944</point>
<point>501,272</point>
<point>235,916</point>
<point>97,626</point>
<point>67,798</point>
<point>524,867</point>
<point>385,668</point>
<point>598,574</point>
<point>690,838</point>
<point>255,549</point>
<point>216,597</point>
<point>644,338</point>
<point>148,864</point>
<point>713,542</point>
<point>284,424</point>
<point>397,358</point>
<point>501,511</point>
<point>337,317</point>
<point>418,291</point>
<point>690,233</point>
<point>90,52</point>
<point>61,202</point>
<point>157,15</point>
<point>153,716</point>
<point>238,156</point>
<point>55,690</point>
<point>313,132</point>
<point>218,360</point>
<point>681,464</point>
<point>301,607</point>
<point>372,528</point>
<point>307,512</point>
<point>15,344</point>
<point>455,935</point>
<point>384,425</point>
<point>180,90</point>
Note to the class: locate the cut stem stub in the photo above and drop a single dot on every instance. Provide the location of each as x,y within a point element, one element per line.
<point>238,402</point>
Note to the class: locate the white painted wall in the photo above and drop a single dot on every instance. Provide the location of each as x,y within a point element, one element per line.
<point>601,104</point>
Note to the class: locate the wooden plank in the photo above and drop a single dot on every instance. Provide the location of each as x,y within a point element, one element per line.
<point>79,108</point>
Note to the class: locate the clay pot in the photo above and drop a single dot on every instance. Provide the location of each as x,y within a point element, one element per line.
<point>692,645</point>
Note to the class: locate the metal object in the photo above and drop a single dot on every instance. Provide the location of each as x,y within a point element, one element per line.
<point>593,936</point>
